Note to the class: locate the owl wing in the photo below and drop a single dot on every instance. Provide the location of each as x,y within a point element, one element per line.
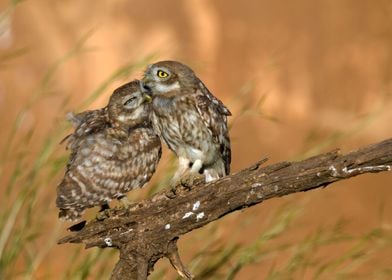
<point>107,165</point>
<point>86,123</point>
<point>214,114</point>
<point>87,174</point>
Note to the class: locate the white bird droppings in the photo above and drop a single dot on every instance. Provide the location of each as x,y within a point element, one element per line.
<point>199,216</point>
<point>196,205</point>
<point>126,232</point>
<point>367,169</point>
<point>108,241</point>
<point>333,170</point>
<point>167,226</point>
<point>187,215</point>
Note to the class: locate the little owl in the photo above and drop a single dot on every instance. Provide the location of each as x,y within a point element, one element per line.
<point>189,119</point>
<point>113,150</point>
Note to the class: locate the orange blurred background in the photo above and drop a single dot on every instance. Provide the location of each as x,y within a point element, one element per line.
<point>300,77</point>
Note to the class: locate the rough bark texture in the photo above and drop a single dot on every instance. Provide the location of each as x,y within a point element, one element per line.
<point>149,230</point>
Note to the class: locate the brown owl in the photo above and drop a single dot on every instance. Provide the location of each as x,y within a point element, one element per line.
<point>113,150</point>
<point>189,119</point>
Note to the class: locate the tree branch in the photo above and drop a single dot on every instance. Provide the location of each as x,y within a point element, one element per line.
<point>148,230</point>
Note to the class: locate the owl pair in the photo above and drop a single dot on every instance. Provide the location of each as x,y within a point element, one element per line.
<point>117,148</point>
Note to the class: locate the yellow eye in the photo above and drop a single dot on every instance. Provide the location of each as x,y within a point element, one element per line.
<point>162,74</point>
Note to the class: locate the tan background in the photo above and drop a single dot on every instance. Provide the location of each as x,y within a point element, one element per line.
<point>312,75</point>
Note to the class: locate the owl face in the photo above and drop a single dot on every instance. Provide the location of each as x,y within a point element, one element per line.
<point>128,105</point>
<point>167,76</point>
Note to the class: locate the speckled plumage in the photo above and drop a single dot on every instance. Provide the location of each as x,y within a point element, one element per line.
<point>189,119</point>
<point>113,150</point>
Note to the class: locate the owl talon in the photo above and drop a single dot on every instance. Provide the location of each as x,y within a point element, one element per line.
<point>172,193</point>
<point>174,184</point>
<point>126,203</point>
<point>102,215</point>
<point>190,179</point>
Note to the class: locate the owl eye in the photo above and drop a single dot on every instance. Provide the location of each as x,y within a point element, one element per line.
<point>129,101</point>
<point>162,74</point>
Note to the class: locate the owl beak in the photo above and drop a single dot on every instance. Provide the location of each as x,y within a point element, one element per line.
<point>147,98</point>
<point>143,85</point>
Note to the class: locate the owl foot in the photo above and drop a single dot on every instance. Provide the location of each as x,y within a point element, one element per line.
<point>104,213</point>
<point>126,203</point>
<point>187,180</point>
<point>190,179</point>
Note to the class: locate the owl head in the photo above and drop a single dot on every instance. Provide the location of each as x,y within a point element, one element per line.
<point>167,76</point>
<point>128,105</point>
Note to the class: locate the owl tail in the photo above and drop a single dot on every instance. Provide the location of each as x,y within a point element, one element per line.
<point>70,214</point>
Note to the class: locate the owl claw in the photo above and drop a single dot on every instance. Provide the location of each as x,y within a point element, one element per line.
<point>171,193</point>
<point>126,203</point>
<point>102,215</point>
<point>190,179</point>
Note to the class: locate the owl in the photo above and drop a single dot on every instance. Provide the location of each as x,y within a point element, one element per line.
<point>189,119</point>
<point>113,150</point>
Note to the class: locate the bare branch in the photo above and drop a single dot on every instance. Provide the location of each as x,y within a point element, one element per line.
<point>148,230</point>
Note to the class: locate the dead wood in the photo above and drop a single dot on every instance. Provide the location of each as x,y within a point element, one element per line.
<point>149,230</point>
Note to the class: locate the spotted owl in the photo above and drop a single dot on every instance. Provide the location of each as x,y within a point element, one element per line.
<point>113,150</point>
<point>189,119</point>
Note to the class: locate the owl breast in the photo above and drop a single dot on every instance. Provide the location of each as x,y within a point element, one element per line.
<point>180,126</point>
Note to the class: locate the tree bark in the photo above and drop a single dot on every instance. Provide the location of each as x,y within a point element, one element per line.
<point>148,230</point>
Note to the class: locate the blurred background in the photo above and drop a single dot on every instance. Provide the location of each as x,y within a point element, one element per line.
<point>300,77</point>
